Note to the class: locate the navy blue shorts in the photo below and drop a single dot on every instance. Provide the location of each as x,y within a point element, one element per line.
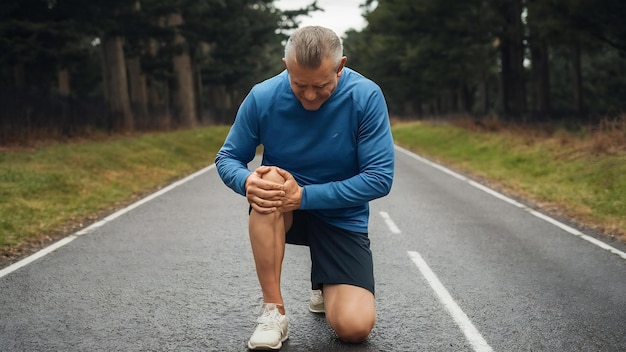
<point>338,256</point>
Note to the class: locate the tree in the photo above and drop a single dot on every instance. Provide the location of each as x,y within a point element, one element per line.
<point>64,57</point>
<point>510,32</point>
<point>137,45</point>
<point>540,28</point>
<point>437,53</point>
<point>185,92</point>
<point>104,20</point>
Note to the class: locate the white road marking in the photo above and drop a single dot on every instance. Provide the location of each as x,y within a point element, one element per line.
<point>31,258</point>
<point>460,318</point>
<point>390,224</point>
<point>498,195</point>
<point>11,268</point>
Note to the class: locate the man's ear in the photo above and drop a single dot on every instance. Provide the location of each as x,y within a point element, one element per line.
<point>285,63</point>
<point>342,64</point>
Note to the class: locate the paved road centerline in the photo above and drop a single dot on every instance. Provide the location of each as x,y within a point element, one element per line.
<point>390,224</point>
<point>460,318</point>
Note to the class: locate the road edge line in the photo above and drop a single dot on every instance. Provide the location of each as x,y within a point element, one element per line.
<point>501,196</point>
<point>56,245</point>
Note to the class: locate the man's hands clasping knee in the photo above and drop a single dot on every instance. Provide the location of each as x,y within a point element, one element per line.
<point>270,188</point>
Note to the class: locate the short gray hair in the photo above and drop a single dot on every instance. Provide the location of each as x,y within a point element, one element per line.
<point>312,44</point>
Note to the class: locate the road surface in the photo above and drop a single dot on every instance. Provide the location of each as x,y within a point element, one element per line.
<point>458,268</point>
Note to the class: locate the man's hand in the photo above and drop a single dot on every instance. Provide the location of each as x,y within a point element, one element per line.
<point>265,196</point>
<point>293,192</point>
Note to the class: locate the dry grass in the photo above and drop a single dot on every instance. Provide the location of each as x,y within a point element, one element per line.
<point>606,138</point>
<point>578,173</point>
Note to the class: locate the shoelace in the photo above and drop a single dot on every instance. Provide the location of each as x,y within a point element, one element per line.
<point>317,296</point>
<point>270,320</point>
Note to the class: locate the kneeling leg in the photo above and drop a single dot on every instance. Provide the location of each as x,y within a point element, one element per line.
<point>350,311</point>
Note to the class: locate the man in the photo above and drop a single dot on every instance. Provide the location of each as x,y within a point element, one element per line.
<point>327,152</point>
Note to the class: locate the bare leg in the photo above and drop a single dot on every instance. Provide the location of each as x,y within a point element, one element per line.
<point>267,237</point>
<point>350,311</point>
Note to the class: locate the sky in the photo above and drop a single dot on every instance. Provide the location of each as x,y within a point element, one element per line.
<point>338,15</point>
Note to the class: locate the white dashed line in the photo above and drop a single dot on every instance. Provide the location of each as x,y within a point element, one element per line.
<point>390,224</point>
<point>498,195</point>
<point>460,318</point>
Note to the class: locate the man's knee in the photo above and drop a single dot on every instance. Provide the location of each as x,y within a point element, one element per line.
<point>353,328</point>
<point>350,311</point>
<point>255,216</point>
<point>273,176</point>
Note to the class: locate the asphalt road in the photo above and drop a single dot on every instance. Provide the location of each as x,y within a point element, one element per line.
<point>457,269</point>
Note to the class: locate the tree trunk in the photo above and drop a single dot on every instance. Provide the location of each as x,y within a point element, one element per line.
<point>506,77</point>
<point>185,94</point>
<point>540,76</point>
<point>448,102</point>
<point>200,91</point>
<point>512,55</point>
<point>117,83</point>
<point>517,59</point>
<point>221,104</point>
<point>19,76</point>
<point>158,97</point>
<point>540,59</point>
<point>158,90</point>
<point>485,93</point>
<point>466,98</point>
<point>138,85</point>
<point>63,76</point>
<point>138,89</point>
<point>577,79</point>
<point>106,81</point>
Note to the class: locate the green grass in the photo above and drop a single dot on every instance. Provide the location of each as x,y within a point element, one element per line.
<point>560,172</point>
<point>45,189</point>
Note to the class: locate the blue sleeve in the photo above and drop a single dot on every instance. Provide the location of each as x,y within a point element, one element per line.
<point>376,164</point>
<point>239,147</point>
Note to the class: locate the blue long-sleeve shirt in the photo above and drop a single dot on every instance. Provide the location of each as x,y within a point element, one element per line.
<point>341,154</point>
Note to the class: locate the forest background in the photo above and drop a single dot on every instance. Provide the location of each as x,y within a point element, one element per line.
<point>71,67</point>
<point>77,70</point>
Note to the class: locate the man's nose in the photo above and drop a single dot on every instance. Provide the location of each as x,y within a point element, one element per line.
<point>309,95</point>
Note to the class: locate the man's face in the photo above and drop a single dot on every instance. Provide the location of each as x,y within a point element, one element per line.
<point>313,86</point>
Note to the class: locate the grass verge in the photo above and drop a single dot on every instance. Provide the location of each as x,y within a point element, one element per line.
<point>577,175</point>
<point>48,191</point>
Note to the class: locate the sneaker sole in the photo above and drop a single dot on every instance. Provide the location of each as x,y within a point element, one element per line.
<point>268,347</point>
<point>317,309</point>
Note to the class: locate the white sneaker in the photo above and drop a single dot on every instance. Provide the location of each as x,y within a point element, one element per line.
<point>271,331</point>
<point>316,305</point>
